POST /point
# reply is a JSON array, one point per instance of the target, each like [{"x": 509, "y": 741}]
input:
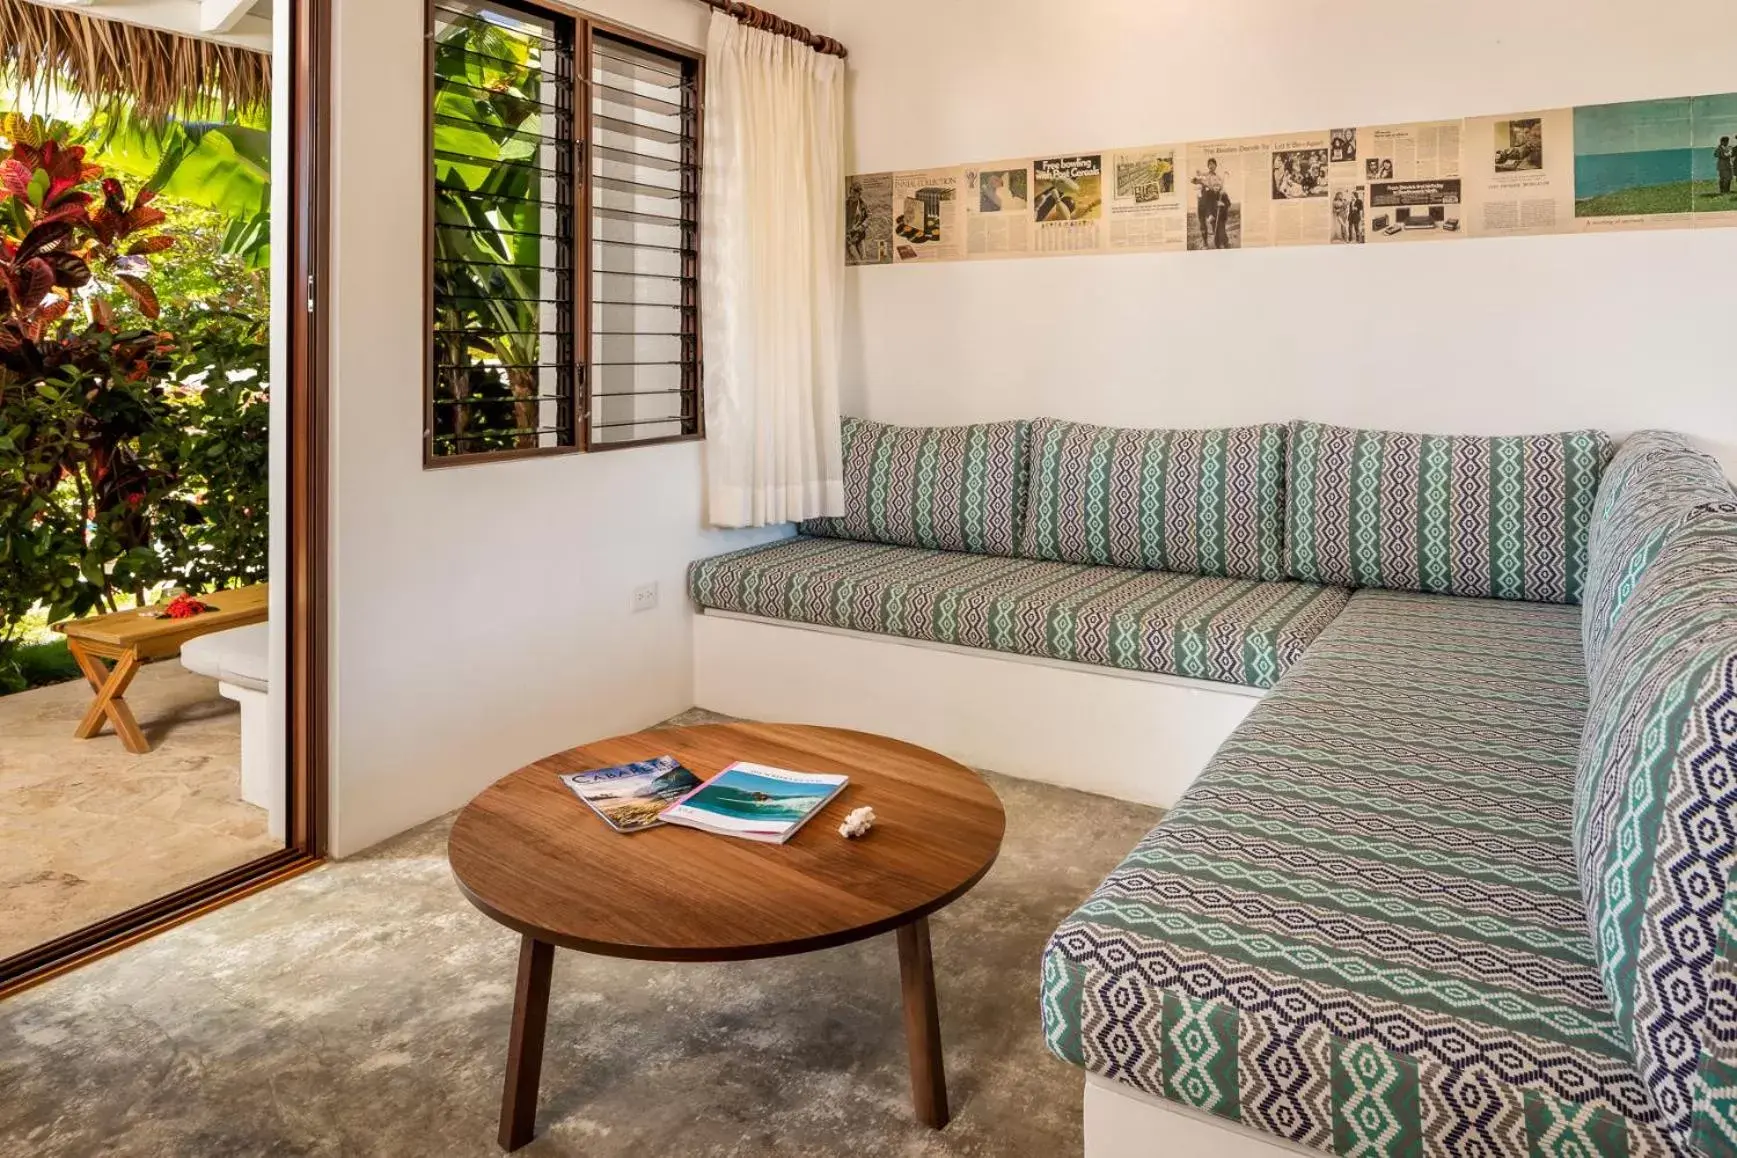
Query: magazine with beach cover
[
  {"x": 629, "y": 797},
  {"x": 756, "y": 802}
]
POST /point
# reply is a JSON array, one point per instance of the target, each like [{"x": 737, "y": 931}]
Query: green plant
[
  {"x": 81, "y": 400},
  {"x": 488, "y": 244},
  {"x": 219, "y": 448},
  {"x": 220, "y": 166}
]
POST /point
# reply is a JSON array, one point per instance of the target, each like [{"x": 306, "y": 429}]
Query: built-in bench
[{"x": 1458, "y": 884}]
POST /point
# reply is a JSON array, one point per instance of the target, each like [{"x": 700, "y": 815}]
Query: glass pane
[
  {"x": 502, "y": 364},
  {"x": 644, "y": 196}
]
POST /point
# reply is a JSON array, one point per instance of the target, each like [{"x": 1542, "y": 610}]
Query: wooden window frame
[{"x": 585, "y": 29}]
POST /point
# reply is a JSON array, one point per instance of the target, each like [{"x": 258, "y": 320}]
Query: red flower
[{"x": 185, "y": 607}]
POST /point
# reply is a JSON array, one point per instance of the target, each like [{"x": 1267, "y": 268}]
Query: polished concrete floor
[
  {"x": 362, "y": 1010},
  {"x": 87, "y": 829}
]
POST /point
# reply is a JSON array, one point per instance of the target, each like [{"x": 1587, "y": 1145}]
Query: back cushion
[
  {"x": 1655, "y": 829},
  {"x": 950, "y": 488},
  {"x": 1203, "y": 502},
  {"x": 1449, "y": 515},
  {"x": 1656, "y": 484}
]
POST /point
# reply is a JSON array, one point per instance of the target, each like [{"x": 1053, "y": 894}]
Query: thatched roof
[{"x": 108, "y": 62}]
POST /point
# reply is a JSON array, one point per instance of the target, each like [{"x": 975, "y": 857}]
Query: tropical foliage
[
  {"x": 133, "y": 424},
  {"x": 221, "y": 166},
  {"x": 491, "y": 213}
]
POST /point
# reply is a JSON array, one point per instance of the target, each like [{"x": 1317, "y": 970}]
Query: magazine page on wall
[
  {"x": 997, "y": 202},
  {"x": 1519, "y": 174},
  {"x": 1714, "y": 119},
  {"x": 926, "y": 224},
  {"x": 1634, "y": 165},
  {"x": 1413, "y": 172},
  {"x": 1068, "y": 203},
  {"x": 1301, "y": 208},
  {"x": 868, "y": 219},
  {"x": 1347, "y": 188},
  {"x": 1146, "y": 204},
  {"x": 1230, "y": 194}
]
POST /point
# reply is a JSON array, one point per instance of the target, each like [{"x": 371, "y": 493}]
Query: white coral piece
[{"x": 857, "y": 823}]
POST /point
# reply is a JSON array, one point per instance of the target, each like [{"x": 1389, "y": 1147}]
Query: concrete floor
[
  {"x": 87, "y": 829},
  {"x": 362, "y": 1010}
]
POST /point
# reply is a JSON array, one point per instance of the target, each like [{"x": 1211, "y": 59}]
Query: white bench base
[
  {"x": 261, "y": 785},
  {"x": 1132, "y": 735},
  {"x": 1122, "y": 1122}
]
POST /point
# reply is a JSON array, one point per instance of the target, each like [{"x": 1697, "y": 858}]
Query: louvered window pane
[
  {"x": 503, "y": 364},
  {"x": 643, "y": 164}
]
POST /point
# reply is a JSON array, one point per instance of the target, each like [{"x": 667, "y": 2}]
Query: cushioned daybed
[{"x": 1458, "y": 885}]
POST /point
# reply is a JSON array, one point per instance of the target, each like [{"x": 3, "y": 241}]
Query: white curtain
[{"x": 772, "y": 273}]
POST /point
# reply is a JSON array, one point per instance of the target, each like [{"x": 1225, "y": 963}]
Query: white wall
[
  {"x": 1484, "y": 336},
  {"x": 480, "y": 615}
]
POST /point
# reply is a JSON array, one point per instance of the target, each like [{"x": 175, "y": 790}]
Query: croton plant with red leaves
[{"x": 81, "y": 397}]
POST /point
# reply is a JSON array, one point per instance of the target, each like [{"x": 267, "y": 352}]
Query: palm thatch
[{"x": 110, "y": 64}]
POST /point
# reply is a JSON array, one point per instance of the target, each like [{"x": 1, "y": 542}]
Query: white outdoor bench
[{"x": 239, "y": 660}]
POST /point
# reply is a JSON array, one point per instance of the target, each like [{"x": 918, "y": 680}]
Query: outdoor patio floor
[{"x": 88, "y": 829}]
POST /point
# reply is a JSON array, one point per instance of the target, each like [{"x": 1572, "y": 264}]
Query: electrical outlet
[{"x": 645, "y": 597}]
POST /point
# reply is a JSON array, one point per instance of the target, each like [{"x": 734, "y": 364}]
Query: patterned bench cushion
[
  {"x": 952, "y": 488},
  {"x": 1655, "y": 829},
  {"x": 1655, "y": 484},
  {"x": 1360, "y": 929},
  {"x": 1229, "y": 630},
  {"x": 1203, "y": 502},
  {"x": 1502, "y": 517}
]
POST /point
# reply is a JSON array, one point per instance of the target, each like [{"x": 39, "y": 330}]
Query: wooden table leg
[
  {"x": 110, "y": 686},
  {"x": 922, "y": 1024},
  {"x": 525, "y": 1047}
]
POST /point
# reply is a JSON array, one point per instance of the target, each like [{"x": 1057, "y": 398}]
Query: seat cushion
[
  {"x": 1655, "y": 829},
  {"x": 952, "y": 488},
  {"x": 1360, "y": 928},
  {"x": 1655, "y": 484},
  {"x": 239, "y": 656},
  {"x": 1229, "y": 630},
  {"x": 1502, "y": 517},
  {"x": 1202, "y": 502}
]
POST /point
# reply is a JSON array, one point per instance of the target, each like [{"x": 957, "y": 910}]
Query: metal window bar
[{"x": 647, "y": 260}]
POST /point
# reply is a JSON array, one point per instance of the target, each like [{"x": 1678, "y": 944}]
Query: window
[{"x": 563, "y": 235}]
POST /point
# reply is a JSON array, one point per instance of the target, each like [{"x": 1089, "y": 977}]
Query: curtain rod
[{"x": 758, "y": 18}]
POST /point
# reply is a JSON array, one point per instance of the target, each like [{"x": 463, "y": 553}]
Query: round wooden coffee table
[{"x": 530, "y": 855}]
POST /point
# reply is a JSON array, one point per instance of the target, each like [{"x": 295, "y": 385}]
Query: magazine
[
  {"x": 629, "y": 797},
  {"x": 756, "y": 802}
]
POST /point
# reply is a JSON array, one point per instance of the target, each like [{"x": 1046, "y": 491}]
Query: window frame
[{"x": 585, "y": 27}]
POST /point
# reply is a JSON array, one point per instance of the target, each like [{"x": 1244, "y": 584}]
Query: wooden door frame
[{"x": 307, "y": 504}]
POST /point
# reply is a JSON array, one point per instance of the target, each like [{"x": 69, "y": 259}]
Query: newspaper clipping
[
  {"x": 1347, "y": 189},
  {"x": 868, "y": 219},
  {"x": 1301, "y": 206},
  {"x": 1519, "y": 174},
  {"x": 1146, "y": 210},
  {"x": 1413, "y": 173},
  {"x": 997, "y": 200},
  {"x": 926, "y": 225},
  {"x": 1230, "y": 184},
  {"x": 1068, "y": 203}
]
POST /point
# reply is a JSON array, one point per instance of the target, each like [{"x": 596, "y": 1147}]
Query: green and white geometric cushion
[
  {"x": 1655, "y": 828},
  {"x": 1360, "y": 930},
  {"x": 1454, "y": 515},
  {"x": 1655, "y": 484},
  {"x": 1201, "y": 502},
  {"x": 1229, "y": 630},
  {"x": 950, "y": 488}
]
